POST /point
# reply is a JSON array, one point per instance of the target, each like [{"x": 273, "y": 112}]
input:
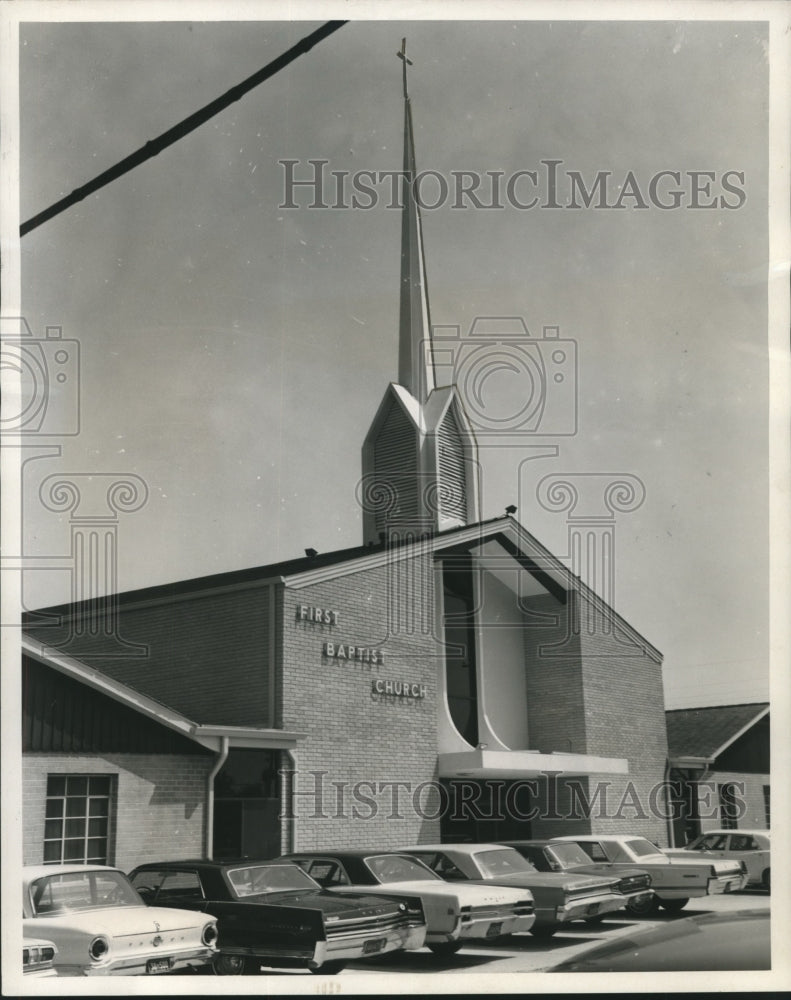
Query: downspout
[
  {"x": 669, "y": 813},
  {"x": 287, "y": 802},
  {"x": 272, "y": 655},
  {"x": 221, "y": 759}
]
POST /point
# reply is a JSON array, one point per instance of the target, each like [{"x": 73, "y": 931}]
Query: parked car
[
  {"x": 558, "y": 897},
  {"x": 101, "y": 927},
  {"x": 750, "y": 846},
  {"x": 674, "y": 880},
  {"x": 454, "y": 914},
  {"x": 271, "y": 913},
  {"x": 38, "y": 958},
  {"x": 705, "y": 942},
  {"x": 546, "y": 856}
]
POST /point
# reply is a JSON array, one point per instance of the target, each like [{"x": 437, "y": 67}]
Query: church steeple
[
  {"x": 415, "y": 364},
  {"x": 420, "y": 470}
]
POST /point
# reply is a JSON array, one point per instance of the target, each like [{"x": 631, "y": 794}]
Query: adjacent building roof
[{"x": 707, "y": 732}]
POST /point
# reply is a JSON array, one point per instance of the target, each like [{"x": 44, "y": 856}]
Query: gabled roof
[
  {"x": 707, "y": 732},
  {"x": 307, "y": 570}
]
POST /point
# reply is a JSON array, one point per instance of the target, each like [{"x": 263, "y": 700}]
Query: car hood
[
  {"x": 712, "y": 942},
  {"x": 117, "y": 921}
]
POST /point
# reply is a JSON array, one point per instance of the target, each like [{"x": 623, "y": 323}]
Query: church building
[{"x": 447, "y": 679}]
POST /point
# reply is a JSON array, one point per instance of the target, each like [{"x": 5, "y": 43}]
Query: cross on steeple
[{"x": 407, "y": 62}]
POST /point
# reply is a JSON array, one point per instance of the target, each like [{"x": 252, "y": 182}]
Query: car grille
[
  {"x": 634, "y": 883},
  {"x": 357, "y": 926}
]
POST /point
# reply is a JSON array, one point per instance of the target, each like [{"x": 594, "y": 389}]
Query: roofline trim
[
  {"x": 741, "y": 732},
  {"x": 478, "y": 532}
]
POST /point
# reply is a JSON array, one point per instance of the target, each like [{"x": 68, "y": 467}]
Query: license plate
[
  {"x": 156, "y": 965},
  {"x": 494, "y": 930},
  {"x": 593, "y": 908},
  {"x": 369, "y": 947}
]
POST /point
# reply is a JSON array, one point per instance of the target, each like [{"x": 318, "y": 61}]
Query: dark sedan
[
  {"x": 553, "y": 856},
  {"x": 272, "y": 913}
]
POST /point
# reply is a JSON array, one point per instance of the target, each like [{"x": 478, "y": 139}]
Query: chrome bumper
[
  {"x": 360, "y": 945},
  {"x": 137, "y": 965},
  {"x": 726, "y": 883},
  {"x": 589, "y": 906},
  {"x": 486, "y": 925}
]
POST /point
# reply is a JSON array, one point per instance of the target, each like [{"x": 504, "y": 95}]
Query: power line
[{"x": 155, "y": 146}]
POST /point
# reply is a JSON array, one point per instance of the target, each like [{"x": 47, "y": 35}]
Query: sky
[{"x": 232, "y": 352}]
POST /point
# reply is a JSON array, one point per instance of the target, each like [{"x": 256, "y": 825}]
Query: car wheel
[
  {"x": 643, "y": 907},
  {"x": 445, "y": 948},
  {"x": 543, "y": 930},
  {"x": 766, "y": 880},
  {"x": 329, "y": 969},
  {"x": 674, "y": 905},
  {"x": 235, "y": 965}
]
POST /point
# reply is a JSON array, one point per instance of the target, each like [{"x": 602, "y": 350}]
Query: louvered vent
[
  {"x": 396, "y": 472},
  {"x": 452, "y": 471}
]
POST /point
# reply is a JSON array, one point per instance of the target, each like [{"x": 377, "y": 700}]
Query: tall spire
[
  {"x": 415, "y": 364},
  {"x": 420, "y": 468}
]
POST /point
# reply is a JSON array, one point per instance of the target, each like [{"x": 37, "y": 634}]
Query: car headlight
[
  {"x": 209, "y": 936},
  {"x": 98, "y": 948}
]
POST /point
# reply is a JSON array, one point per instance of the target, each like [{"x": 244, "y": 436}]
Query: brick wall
[
  {"x": 354, "y": 735},
  {"x": 625, "y": 717},
  {"x": 555, "y": 705},
  {"x": 159, "y": 803},
  {"x": 207, "y": 658},
  {"x": 592, "y": 690}
]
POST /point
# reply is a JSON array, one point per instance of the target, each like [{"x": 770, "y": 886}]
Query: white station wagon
[{"x": 101, "y": 927}]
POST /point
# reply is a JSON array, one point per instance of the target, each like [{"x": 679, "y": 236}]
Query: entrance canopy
[{"x": 483, "y": 763}]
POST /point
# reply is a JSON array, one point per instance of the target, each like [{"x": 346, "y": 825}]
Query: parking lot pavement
[{"x": 525, "y": 953}]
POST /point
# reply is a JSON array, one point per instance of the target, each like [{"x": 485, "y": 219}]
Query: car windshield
[
  {"x": 568, "y": 854},
  {"x": 642, "y": 847},
  {"x": 89, "y": 890},
  {"x": 256, "y": 879},
  {"x": 505, "y": 861},
  {"x": 397, "y": 868}
]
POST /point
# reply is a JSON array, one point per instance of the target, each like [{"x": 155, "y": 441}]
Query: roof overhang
[
  {"x": 209, "y": 736},
  {"x": 686, "y": 761},
  {"x": 480, "y": 763}
]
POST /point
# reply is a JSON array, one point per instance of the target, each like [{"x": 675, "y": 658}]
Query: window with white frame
[{"x": 77, "y": 823}]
